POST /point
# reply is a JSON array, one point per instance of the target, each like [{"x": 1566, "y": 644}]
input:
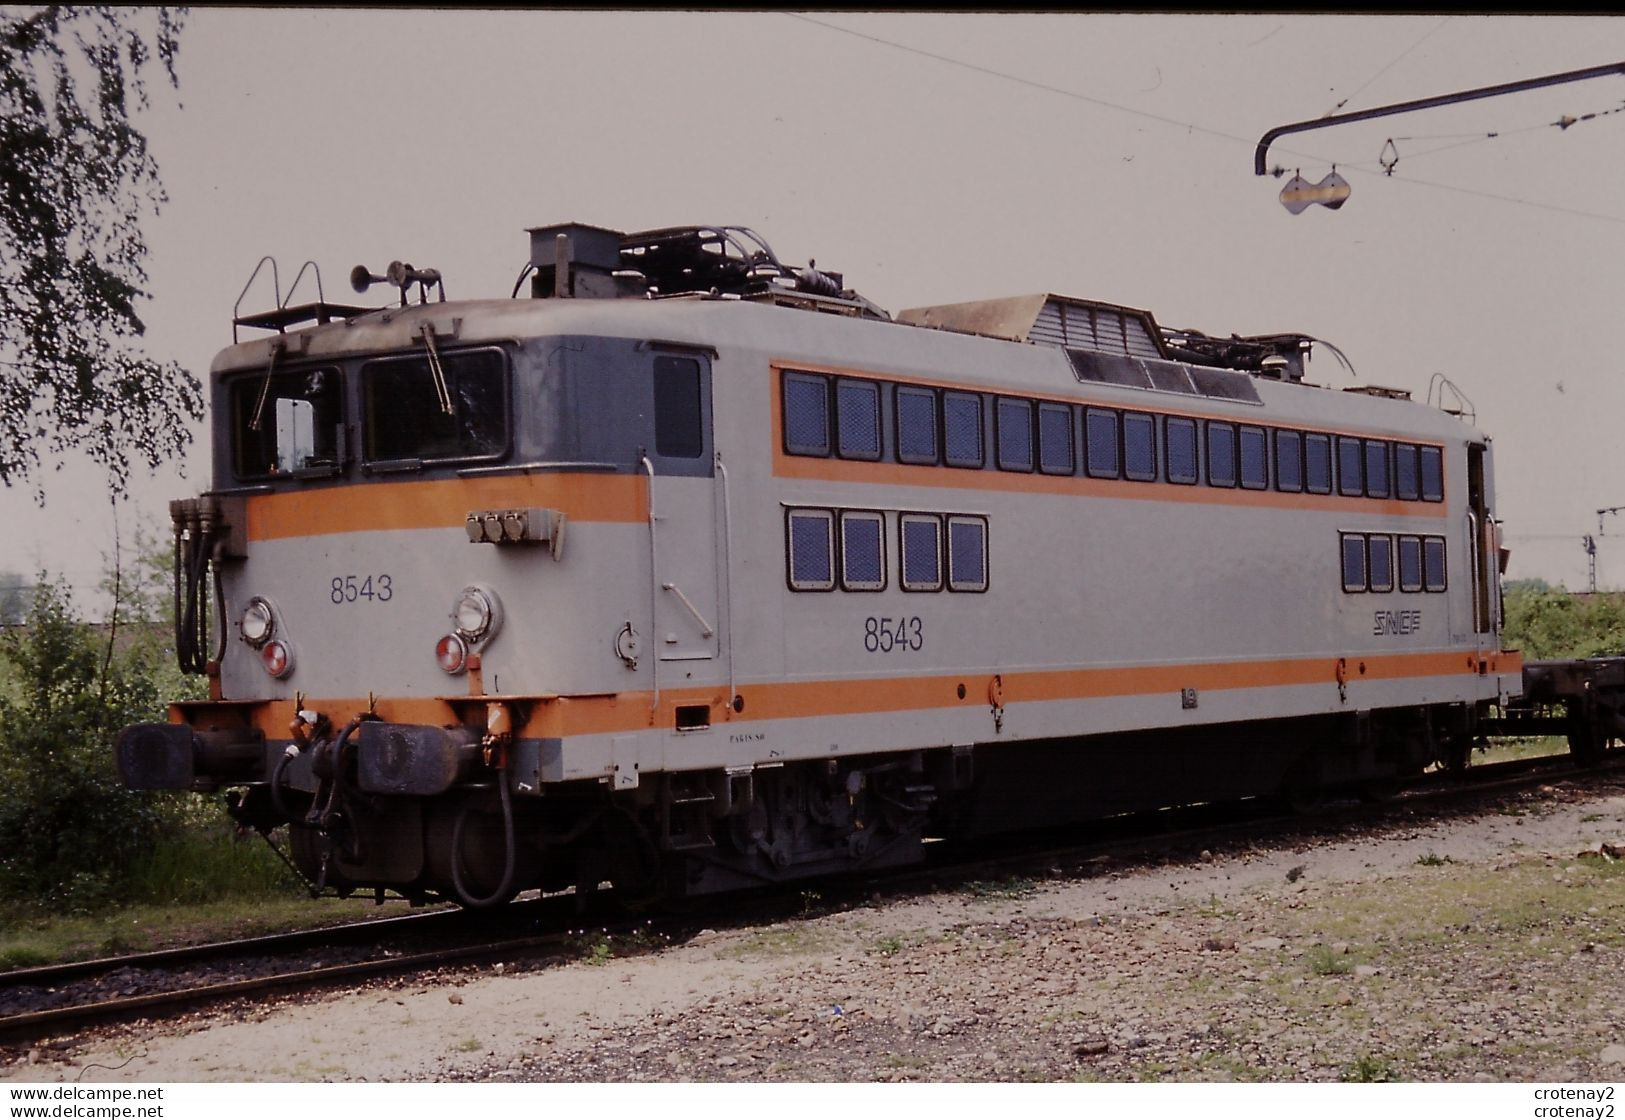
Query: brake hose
[{"x": 499, "y": 895}]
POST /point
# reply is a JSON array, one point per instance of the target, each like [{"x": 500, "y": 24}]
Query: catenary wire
[
  {"x": 1428, "y": 35},
  {"x": 1187, "y": 125}
]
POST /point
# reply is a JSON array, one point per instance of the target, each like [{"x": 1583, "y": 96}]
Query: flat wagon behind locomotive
[{"x": 692, "y": 571}]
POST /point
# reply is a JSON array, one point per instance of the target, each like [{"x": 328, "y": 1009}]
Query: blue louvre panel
[
  {"x": 1376, "y": 468},
  {"x": 1224, "y": 384},
  {"x": 1317, "y": 463},
  {"x": 857, "y": 419},
  {"x": 1221, "y": 454},
  {"x": 1350, "y": 482},
  {"x": 1353, "y": 562},
  {"x": 922, "y": 553},
  {"x": 1100, "y": 439},
  {"x": 806, "y": 414},
  {"x": 962, "y": 429},
  {"x": 1433, "y": 570},
  {"x": 1407, "y": 472},
  {"x": 1139, "y": 447},
  {"x": 862, "y": 567},
  {"x": 916, "y": 425},
  {"x": 811, "y": 568},
  {"x": 1255, "y": 462},
  {"x": 1055, "y": 453},
  {"x": 1015, "y": 433},
  {"x": 1180, "y": 436},
  {"x": 967, "y": 554},
  {"x": 1410, "y": 563},
  {"x": 1432, "y": 474},
  {"x": 1381, "y": 565},
  {"x": 1111, "y": 369},
  {"x": 1288, "y": 461}
]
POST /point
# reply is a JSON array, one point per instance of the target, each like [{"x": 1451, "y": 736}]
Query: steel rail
[
  {"x": 38, "y": 1024},
  {"x": 51, "y": 974},
  {"x": 1145, "y": 838}
]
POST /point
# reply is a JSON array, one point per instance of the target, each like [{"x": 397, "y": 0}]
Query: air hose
[{"x": 459, "y": 887}]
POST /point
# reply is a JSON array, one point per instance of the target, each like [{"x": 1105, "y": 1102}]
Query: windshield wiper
[
  {"x": 265, "y": 387},
  {"x": 440, "y": 388}
]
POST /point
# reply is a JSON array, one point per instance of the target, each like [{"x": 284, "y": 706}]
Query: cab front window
[
  {"x": 287, "y": 424},
  {"x": 418, "y": 411}
]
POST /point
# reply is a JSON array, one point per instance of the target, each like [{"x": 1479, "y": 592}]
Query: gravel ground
[{"x": 1490, "y": 949}]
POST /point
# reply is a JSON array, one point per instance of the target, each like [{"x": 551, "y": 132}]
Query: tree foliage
[
  {"x": 1551, "y": 624},
  {"x": 76, "y": 179},
  {"x": 67, "y": 827}
]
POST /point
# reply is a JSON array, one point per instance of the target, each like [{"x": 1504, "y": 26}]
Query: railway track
[{"x": 55, "y": 1000}]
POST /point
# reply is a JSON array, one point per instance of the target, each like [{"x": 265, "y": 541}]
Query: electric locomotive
[{"x": 687, "y": 570}]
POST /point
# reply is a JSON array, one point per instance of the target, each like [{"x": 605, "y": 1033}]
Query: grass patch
[
  {"x": 600, "y": 948},
  {"x": 1230, "y": 1067},
  {"x": 1602, "y": 867},
  {"x": 1002, "y": 888},
  {"x": 889, "y": 946},
  {"x": 200, "y": 882},
  {"x": 1472, "y": 910},
  {"x": 23, "y": 955},
  {"x": 777, "y": 941},
  {"x": 1367, "y": 1069},
  {"x": 1433, "y": 860},
  {"x": 1322, "y": 961},
  {"x": 207, "y": 863},
  {"x": 906, "y": 1061}
]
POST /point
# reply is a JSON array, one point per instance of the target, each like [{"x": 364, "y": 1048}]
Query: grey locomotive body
[{"x": 693, "y": 571}]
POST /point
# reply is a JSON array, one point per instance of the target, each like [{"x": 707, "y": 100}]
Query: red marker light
[
  {"x": 277, "y": 658},
  {"x": 451, "y": 654}
]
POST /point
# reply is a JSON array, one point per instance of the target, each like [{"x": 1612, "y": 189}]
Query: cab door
[
  {"x": 1484, "y": 556},
  {"x": 683, "y": 510}
]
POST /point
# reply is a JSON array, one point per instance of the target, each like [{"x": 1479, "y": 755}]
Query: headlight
[
  {"x": 477, "y": 615},
  {"x": 258, "y": 622}
]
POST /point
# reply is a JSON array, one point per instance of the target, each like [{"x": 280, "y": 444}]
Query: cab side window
[{"x": 679, "y": 408}]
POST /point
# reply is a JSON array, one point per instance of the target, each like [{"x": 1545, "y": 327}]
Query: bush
[
  {"x": 1549, "y": 624},
  {"x": 67, "y": 827}
]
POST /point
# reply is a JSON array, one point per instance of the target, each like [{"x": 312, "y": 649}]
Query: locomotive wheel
[
  {"x": 1302, "y": 800},
  {"x": 1586, "y": 745},
  {"x": 1458, "y": 752},
  {"x": 1586, "y": 740},
  {"x": 1380, "y": 791},
  {"x": 621, "y": 851}
]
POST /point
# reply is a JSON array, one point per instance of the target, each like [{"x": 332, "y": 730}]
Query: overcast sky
[{"x": 932, "y": 159}]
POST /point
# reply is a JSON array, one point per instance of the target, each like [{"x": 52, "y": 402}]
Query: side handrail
[{"x": 654, "y": 589}]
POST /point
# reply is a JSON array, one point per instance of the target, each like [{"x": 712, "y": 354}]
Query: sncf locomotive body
[{"x": 687, "y": 570}]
